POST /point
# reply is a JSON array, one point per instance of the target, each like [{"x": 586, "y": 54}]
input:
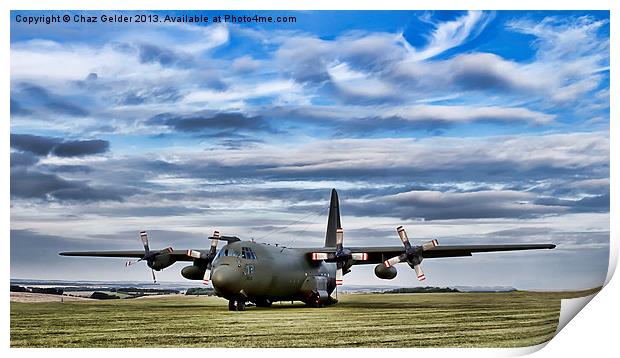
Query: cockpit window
[
  {"x": 230, "y": 252},
  {"x": 248, "y": 253}
]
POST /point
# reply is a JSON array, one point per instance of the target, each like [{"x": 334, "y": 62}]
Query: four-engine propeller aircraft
[{"x": 247, "y": 271}]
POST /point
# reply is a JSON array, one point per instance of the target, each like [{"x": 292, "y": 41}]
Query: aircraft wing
[
  {"x": 379, "y": 254},
  {"x": 177, "y": 255}
]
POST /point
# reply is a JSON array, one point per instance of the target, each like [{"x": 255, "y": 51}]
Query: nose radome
[{"x": 226, "y": 278}]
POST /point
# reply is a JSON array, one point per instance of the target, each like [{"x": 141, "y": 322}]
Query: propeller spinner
[
  {"x": 344, "y": 258},
  {"x": 412, "y": 255},
  {"x": 149, "y": 256},
  {"x": 206, "y": 256}
]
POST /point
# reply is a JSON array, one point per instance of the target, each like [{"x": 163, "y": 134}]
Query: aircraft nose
[{"x": 227, "y": 279}]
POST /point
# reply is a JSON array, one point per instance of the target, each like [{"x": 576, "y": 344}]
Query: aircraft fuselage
[{"x": 264, "y": 273}]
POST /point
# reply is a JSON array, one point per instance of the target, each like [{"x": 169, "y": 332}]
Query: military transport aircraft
[{"x": 247, "y": 271}]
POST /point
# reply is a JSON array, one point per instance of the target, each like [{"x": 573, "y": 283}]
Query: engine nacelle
[
  {"x": 385, "y": 273},
  {"x": 161, "y": 261},
  {"x": 193, "y": 272}
]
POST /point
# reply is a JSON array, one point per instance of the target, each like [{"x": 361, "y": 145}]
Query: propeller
[
  {"x": 149, "y": 256},
  {"x": 343, "y": 258},
  {"x": 412, "y": 254},
  {"x": 206, "y": 256}
]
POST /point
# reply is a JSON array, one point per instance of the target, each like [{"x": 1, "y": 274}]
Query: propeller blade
[
  {"x": 206, "y": 277},
  {"x": 129, "y": 263},
  {"x": 359, "y": 256},
  {"x": 318, "y": 256},
  {"x": 145, "y": 241},
  {"x": 429, "y": 245},
  {"x": 339, "y": 280},
  {"x": 167, "y": 250},
  {"x": 193, "y": 253},
  {"x": 339, "y": 238},
  {"x": 394, "y": 260},
  {"x": 153, "y": 273},
  {"x": 403, "y": 236},
  {"x": 419, "y": 272},
  {"x": 214, "y": 240}
]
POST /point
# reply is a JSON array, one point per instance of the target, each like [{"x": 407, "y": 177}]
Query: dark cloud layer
[
  {"x": 18, "y": 110},
  {"x": 77, "y": 148},
  {"x": 27, "y": 244},
  {"x": 40, "y": 98},
  {"x": 23, "y": 159},
  {"x": 41, "y": 145},
  {"x": 595, "y": 203},
  {"x": 150, "y": 53},
  {"x": 214, "y": 124},
  {"x": 41, "y": 182},
  {"x": 68, "y": 168},
  {"x": 34, "y": 144},
  {"x": 153, "y": 95},
  {"x": 31, "y": 184},
  {"x": 431, "y": 205}
]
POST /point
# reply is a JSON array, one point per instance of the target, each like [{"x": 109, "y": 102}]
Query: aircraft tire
[
  {"x": 231, "y": 305},
  {"x": 240, "y": 305},
  {"x": 314, "y": 301}
]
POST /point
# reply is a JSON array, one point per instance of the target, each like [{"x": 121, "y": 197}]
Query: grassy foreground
[{"x": 513, "y": 319}]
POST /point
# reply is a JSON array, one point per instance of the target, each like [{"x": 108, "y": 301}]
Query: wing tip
[{"x": 70, "y": 253}]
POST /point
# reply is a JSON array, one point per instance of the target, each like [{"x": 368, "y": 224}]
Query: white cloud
[
  {"x": 357, "y": 84},
  {"x": 563, "y": 38},
  {"x": 245, "y": 64},
  {"x": 464, "y": 114},
  {"x": 415, "y": 113},
  {"x": 568, "y": 50},
  {"x": 181, "y": 37},
  {"x": 569, "y": 151},
  {"x": 236, "y": 94},
  {"x": 30, "y": 62},
  {"x": 451, "y": 34}
]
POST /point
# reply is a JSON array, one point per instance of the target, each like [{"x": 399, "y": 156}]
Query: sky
[{"x": 469, "y": 127}]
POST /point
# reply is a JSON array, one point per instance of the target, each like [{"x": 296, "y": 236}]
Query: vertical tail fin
[{"x": 333, "y": 221}]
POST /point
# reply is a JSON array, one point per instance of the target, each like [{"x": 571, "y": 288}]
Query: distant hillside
[
  {"x": 98, "y": 292},
  {"x": 142, "y": 291},
  {"x": 429, "y": 289},
  {"x": 200, "y": 291},
  {"x": 139, "y": 288},
  {"x": 486, "y": 288},
  {"x": 45, "y": 290},
  {"x": 103, "y": 296},
  {"x": 76, "y": 285}
]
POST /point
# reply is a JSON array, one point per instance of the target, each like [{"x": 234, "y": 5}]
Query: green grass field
[{"x": 514, "y": 319}]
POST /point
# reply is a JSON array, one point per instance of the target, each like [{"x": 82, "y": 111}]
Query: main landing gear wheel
[
  {"x": 240, "y": 305},
  {"x": 231, "y": 305},
  {"x": 314, "y": 300}
]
